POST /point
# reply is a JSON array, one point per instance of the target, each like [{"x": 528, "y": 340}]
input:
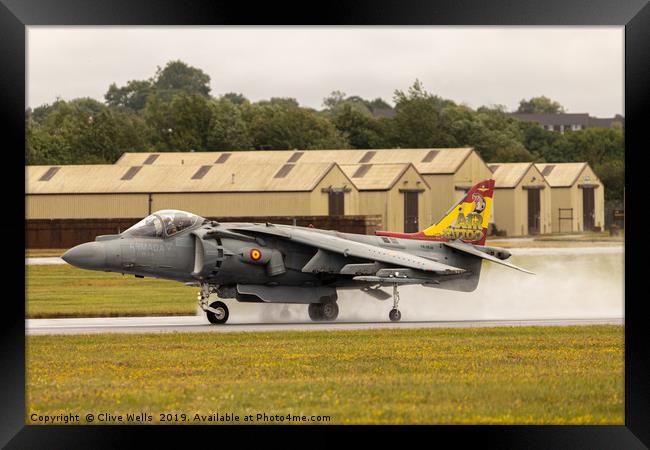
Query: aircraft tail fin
[{"x": 467, "y": 220}]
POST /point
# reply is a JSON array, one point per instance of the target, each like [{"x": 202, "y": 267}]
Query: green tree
[
  {"x": 83, "y": 131},
  {"x": 500, "y": 138},
  {"x": 133, "y": 95},
  {"x": 417, "y": 121},
  {"x": 283, "y": 125},
  {"x": 182, "y": 124},
  {"x": 612, "y": 174},
  {"x": 540, "y": 105},
  {"x": 546, "y": 146},
  {"x": 237, "y": 99},
  {"x": 177, "y": 77},
  {"x": 361, "y": 130},
  {"x": 378, "y": 104},
  {"x": 228, "y": 128}
]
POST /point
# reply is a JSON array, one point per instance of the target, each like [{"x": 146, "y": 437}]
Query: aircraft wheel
[
  {"x": 329, "y": 311},
  {"x": 394, "y": 315},
  {"x": 221, "y": 316},
  {"x": 315, "y": 311}
]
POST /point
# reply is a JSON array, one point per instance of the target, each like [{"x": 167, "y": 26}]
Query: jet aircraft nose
[{"x": 91, "y": 255}]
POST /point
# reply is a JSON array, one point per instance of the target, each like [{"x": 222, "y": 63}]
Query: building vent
[
  {"x": 295, "y": 157},
  {"x": 201, "y": 172},
  {"x": 49, "y": 174},
  {"x": 151, "y": 158},
  {"x": 367, "y": 157},
  {"x": 548, "y": 169},
  {"x": 429, "y": 156},
  {"x": 222, "y": 158},
  {"x": 284, "y": 171},
  {"x": 493, "y": 167},
  {"x": 362, "y": 170},
  {"x": 131, "y": 172}
]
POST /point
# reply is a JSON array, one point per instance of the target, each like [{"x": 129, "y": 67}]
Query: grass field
[
  {"x": 550, "y": 375},
  {"x": 65, "y": 291}
]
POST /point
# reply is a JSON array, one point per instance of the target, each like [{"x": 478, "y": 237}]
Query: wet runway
[
  {"x": 44, "y": 261},
  {"x": 200, "y": 324}
]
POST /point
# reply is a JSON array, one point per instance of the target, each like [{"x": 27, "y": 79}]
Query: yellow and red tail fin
[{"x": 467, "y": 220}]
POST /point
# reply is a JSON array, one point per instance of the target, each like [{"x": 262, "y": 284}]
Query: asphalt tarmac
[{"x": 185, "y": 324}]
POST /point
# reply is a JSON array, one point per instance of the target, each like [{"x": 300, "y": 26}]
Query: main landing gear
[
  {"x": 319, "y": 312},
  {"x": 394, "y": 315},
  {"x": 217, "y": 312}
]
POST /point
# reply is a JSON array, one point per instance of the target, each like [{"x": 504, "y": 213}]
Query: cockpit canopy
[{"x": 167, "y": 222}]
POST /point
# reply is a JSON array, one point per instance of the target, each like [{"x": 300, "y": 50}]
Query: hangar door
[
  {"x": 533, "y": 211},
  {"x": 588, "y": 208},
  {"x": 411, "y": 212},
  {"x": 336, "y": 202}
]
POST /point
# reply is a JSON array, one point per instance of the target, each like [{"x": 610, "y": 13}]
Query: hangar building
[
  {"x": 577, "y": 197},
  {"x": 114, "y": 191},
  {"x": 524, "y": 199},
  {"x": 449, "y": 172},
  {"x": 397, "y": 192}
]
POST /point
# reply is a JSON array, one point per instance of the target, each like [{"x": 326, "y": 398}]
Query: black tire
[
  {"x": 315, "y": 311},
  {"x": 329, "y": 311},
  {"x": 218, "y": 319},
  {"x": 394, "y": 315}
]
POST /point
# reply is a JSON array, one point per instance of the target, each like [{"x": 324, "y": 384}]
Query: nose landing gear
[
  {"x": 217, "y": 312},
  {"x": 395, "y": 315}
]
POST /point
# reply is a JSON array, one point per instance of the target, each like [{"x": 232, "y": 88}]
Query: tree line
[{"x": 174, "y": 111}]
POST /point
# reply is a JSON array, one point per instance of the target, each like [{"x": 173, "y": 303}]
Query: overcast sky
[{"x": 581, "y": 67}]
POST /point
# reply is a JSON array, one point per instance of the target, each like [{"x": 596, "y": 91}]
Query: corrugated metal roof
[
  {"x": 508, "y": 175},
  {"x": 377, "y": 177},
  {"x": 441, "y": 161},
  {"x": 155, "y": 178},
  {"x": 563, "y": 174}
]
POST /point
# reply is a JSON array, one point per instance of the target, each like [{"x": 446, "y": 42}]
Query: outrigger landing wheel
[
  {"x": 220, "y": 313},
  {"x": 323, "y": 311},
  {"x": 329, "y": 311},
  {"x": 394, "y": 315},
  {"x": 314, "y": 311}
]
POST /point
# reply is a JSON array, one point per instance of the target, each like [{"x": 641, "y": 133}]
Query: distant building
[
  {"x": 568, "y": 121},
  {"x": 524, "y": 199},
  {"x": 577, "y": 197}
]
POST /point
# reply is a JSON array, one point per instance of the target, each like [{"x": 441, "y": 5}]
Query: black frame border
[{"x": 16, "y": 15}]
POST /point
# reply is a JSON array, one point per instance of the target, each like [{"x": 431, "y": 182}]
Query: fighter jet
[{"x": 272, "y": 263}]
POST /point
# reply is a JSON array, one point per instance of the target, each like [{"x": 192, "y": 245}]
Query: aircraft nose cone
[{"x": 90, "y": 255}]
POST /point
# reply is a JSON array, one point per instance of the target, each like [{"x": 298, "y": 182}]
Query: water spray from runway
[{"x": 582, "y": 283}]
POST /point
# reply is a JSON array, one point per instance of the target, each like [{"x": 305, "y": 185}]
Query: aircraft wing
[
  {"x": 347, "y": 247},
  {"x": 462, "y": 247}
]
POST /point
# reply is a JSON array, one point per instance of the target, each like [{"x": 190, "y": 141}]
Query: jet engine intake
[{"x": 207, "y": 256}]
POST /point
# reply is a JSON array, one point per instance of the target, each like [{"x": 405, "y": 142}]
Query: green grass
[
  {"x": 65, "y": 291},
  {"x": 549, "y": 375}
]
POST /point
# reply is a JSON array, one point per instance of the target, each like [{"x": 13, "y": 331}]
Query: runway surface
[
  {"x": 44, "y": 261},
  {"x": 200, "y": 324}
]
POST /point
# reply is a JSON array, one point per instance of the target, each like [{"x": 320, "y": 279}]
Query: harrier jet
[{"x": 271, "y": 263}]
